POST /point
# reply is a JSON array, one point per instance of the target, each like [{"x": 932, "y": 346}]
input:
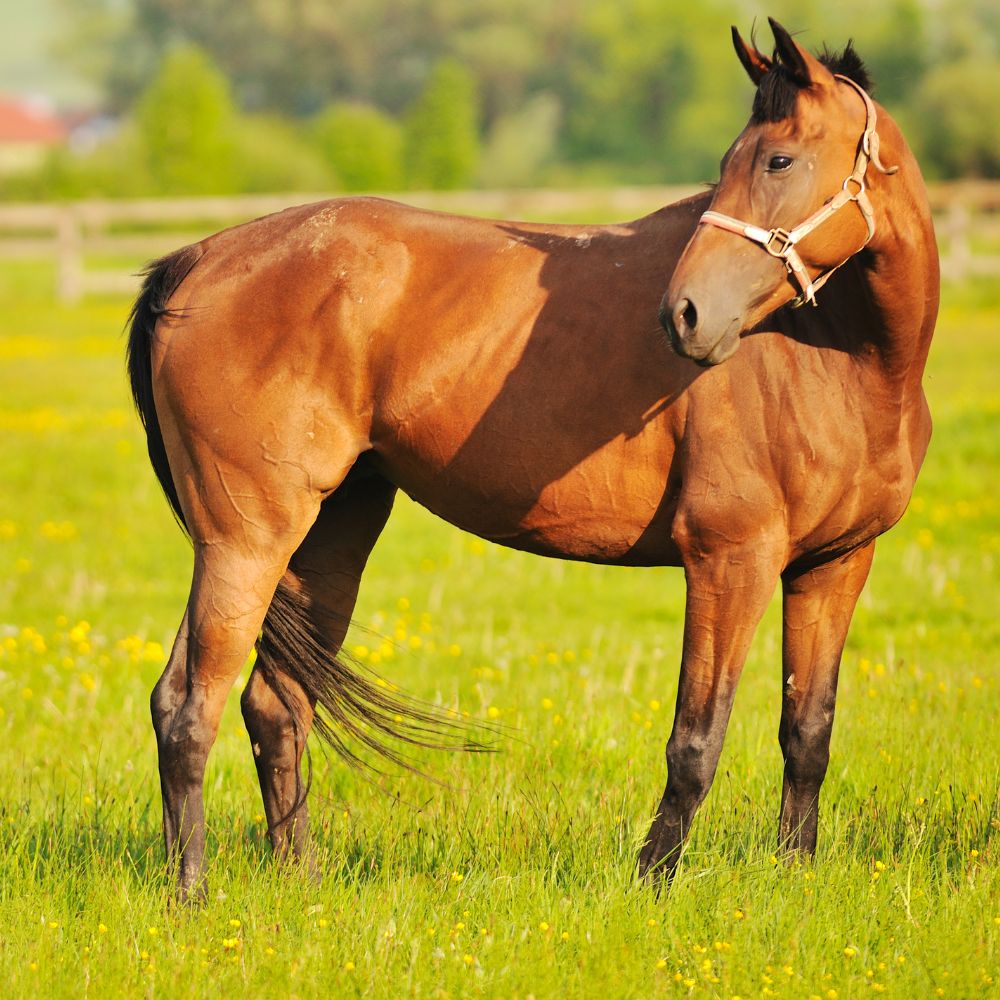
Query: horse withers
[{"x": 294, "y": 372}]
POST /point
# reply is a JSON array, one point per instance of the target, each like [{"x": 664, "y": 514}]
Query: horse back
[{"x": 511, "y": 377}]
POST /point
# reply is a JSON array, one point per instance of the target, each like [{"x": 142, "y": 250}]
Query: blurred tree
[
  {"x": 101, "y": 40},
  {"x": 897, "y": 54},
  {"x": 362, "y": 145},
  {"x": 891, "y": 37},
  {"x": 186, "y": 123},
  {"x": 521, "y": 143},
  {"x": 273, "y": 154},
  {"x": 297, "y": 56},
  {"x": 965, "y": 29},
  {"x": 441, "y": 143},
  {"x": 646, "y": 89},
  {"x": 660, "y": 87},
  {"x": 115, "y": 169},
  {"x": 959, "y": 129}
]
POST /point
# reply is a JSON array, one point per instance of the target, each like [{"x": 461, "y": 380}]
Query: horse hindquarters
[{"x": 242, "y": 482}]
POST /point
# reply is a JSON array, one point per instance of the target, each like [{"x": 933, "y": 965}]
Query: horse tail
[
  {"x": 353, "y": 703},
  {"x": 161, "y": 279},
  {"x": 355, "y": 707}
]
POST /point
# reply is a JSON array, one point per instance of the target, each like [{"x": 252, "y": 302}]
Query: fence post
[
  {"x": 69, "y": 256},
  {"x": 959, "y": 251}
]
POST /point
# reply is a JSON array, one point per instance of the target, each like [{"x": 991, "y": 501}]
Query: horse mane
[{"x": 779, "y": 89}]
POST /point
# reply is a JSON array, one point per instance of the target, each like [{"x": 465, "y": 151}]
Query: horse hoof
[{"x": 657, "y": 868}]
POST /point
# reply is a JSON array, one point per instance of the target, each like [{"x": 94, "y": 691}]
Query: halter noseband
[{"x": 780, "y": 243}]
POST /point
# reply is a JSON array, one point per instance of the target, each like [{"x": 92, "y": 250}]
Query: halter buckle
[{"x": 779, "y": 242}]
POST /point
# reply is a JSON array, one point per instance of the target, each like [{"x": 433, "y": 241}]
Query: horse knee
[{"x": 183, "y": 752}]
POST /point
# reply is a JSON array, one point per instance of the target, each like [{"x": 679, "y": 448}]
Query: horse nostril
[
  {"x": 691, "y": 315},
  {"x": 685, "y": 317}
]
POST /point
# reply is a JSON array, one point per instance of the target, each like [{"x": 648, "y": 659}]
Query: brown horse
[{"x": 294, "y": 372}]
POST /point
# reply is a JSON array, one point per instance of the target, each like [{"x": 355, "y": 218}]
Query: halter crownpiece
[{"x": 780, "y": 243}]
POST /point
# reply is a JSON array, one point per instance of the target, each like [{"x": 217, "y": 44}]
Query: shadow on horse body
[{"x": 293, "y": 372}]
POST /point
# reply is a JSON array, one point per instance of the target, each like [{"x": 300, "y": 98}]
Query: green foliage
[
  {"x": 362, "y": 145},
  {"x": 660, "y": 88},
  {"x": 521, "y": 143},
  {"x": 273, "y": 154},
  {"x": 960, "y": 127},
  {"x": 118, "y": 168},
  {"x": 624, "y": 91},
  {"x": 441, "y": 144},
  {"x": 896, "y": 50},
  {"x": 186, "y": 122}
]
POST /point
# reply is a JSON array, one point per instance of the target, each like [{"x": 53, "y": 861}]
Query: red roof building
[{"x": 28, "y": 130}]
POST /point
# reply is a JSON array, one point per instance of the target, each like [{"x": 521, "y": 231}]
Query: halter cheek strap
[{"x": 780, "y": 243}]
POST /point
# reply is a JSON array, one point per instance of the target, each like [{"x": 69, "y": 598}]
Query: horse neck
[{"x": 903, "y": 279}]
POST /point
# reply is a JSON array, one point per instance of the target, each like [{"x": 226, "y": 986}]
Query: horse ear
[
  {"x": 755, "y": 63},
  {"x": 805, "y": 68}
]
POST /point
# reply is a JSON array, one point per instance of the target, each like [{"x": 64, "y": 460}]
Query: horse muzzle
[{"x": 691, "y": 337}]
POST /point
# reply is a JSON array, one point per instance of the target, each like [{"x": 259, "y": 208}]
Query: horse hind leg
[
  {"x": 244, "y": 534},
  {"x": 229, "y": 598},
  {"x": 167, "y": 697},
  {"x": 324, "y": 575}
]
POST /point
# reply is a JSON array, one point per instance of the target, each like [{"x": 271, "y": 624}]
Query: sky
[{"x": 27, "y": 67}]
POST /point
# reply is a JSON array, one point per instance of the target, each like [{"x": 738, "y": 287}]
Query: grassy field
[{"x": 514, "y": 877}]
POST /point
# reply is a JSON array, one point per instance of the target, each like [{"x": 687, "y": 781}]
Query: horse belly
[{"x": 611, "y": 505}]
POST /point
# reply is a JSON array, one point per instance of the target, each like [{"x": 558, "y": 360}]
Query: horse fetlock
[
  {"x": 192, "y": 888},
  {"x": 799, "y": 821},
  {"x": 690, "y": 771},
  {"x": 806, "y": 750}
]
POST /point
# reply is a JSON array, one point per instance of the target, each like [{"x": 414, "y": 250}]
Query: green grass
[{"x": 515, "y": 876}]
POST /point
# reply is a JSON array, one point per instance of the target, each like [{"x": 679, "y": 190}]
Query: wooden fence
[{"x": 97, "y": 246}]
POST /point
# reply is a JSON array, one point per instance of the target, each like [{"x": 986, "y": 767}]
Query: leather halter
[{"x": 780, "y": 243}]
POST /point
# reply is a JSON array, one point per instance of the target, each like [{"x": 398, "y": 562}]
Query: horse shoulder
[{"x": 788, "y": 442}]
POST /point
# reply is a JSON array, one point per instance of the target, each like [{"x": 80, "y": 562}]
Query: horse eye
[{"x": 780, "y": 163}]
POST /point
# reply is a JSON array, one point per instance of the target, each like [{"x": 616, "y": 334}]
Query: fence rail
[{"x": 96, "y": 246}]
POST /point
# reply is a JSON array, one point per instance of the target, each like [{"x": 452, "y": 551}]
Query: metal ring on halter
[
  {"x": 778, "y": 243},
  {"x": 861, "y": 187}
]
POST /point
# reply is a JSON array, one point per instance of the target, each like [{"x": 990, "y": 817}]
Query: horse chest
[{"x": 828, "y": 471}]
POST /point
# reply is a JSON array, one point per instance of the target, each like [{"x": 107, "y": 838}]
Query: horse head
[{"x": 792, "y": 203}]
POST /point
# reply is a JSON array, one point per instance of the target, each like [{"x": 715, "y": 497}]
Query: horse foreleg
[
  {"x": 726, "y": 597},
  {"x": 818, "y": 605}
]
